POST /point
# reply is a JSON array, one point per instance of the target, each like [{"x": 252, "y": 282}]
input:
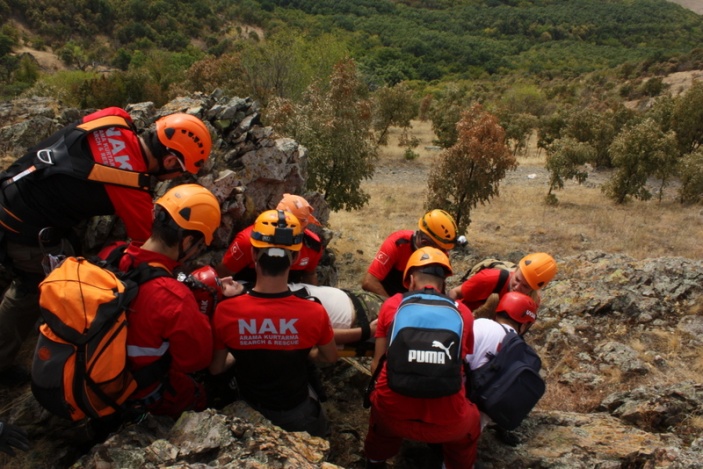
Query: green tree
[
  {"x": 285, "y": 65},
  {"x": 445, "y": 112},
  {"x": 392, "y": 106},
  {"x": 687, "y": 118},
  {"x": 595, "y": 128},
  {"x": 334, "y": 123},
  {"x": 640, "y": 152},
  {"x": 28, "y": 70},
  {"x": 524, "y": 99},
  {"x": 470, "y": 171},
  {"x": 73, "y": 54},
  {"x": 566, "y": 158},
  {"x": 691, "y": 175},
  {"x": 518, "y": 128}
]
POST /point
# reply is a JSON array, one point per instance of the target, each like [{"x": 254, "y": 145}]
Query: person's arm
[
  {"x": 455, "y": 293},
  {"x": 380, "y": 350},
  {"x": 373, "y": 285},
  {"x": 354, "y": 334},
  {"x": 219, "y": 361},
  {"x": 189, "y": 334},
  {"x": 327, "y": 353},
  {"x": 238, "y": 255},
  {"x": 134, "y": 208}
]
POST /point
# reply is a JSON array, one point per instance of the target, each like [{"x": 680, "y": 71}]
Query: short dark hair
[
  {"x": 505, "y": 317},
  {"x": 158, "y": 149},
  {"x": 271, "y": 266},
  {"x": 166, "y": 230}
]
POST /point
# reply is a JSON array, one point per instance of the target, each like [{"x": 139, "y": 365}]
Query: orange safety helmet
[
  {"x": 187, "y": 135},
  {"x": 192, "y": 207},
  {"x": 538, "y": 268},
  {"x": 299, "y": 207},
  {"x": 520, "y": 307},
  {"x": 277, "y": 229},
  {"x": 206, "y": 287},
  {"x": 431, "y": 260},
  {"x": 440, "y": 227}
]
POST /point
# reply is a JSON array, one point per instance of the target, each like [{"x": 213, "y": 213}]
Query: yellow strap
[
  {"x": 158, "y": 264},
  {"x": 117, "y": 176},
  {"x": 107, "y": 121}
]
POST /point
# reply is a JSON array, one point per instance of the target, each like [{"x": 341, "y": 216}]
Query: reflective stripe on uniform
[{"x": 136, "y": 351}]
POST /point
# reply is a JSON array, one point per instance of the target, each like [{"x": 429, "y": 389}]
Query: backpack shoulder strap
[
  {"x": 502, "y": 278},
  {"x": 145, "y": 272},
  {"x": 305, "y": 294},
  {"x": 66, "y": 156},
  {"x": 363, "y": 320},
  {"x": 110, "y": 174}
]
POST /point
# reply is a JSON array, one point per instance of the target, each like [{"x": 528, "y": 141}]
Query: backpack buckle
[{"x": 46, "y": 156}]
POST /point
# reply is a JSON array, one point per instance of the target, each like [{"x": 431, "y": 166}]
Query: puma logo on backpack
[
  {"x": 509, "y": 385},
  {"x": 80, "y": 361},
  {"x": 424, "y": 353}
]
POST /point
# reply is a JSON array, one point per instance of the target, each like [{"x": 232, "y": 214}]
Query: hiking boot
[{"x": 14, "y": 375}]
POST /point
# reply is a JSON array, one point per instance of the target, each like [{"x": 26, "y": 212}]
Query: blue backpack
[
  {"x": 424, "y": 352},
  {"x": 509, "y": 385}
]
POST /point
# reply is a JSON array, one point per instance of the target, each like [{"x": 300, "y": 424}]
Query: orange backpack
[{"x": 80, "y": 361}]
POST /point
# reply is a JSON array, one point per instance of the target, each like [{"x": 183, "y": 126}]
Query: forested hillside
[
  {"x": 393, "y": 41},
  {"x": 337, "y": 75}
]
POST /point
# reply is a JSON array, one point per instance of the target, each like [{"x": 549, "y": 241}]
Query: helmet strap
[{"x": 184, "y": 254}]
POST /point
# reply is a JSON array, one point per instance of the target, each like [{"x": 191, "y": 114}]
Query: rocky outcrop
[
  {"x": 235, "y": 437},
  {"x": 249, "y": 170}
]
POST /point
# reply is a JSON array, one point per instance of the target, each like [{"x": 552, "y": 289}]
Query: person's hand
[
  {"x": 12, "y": 436},
  {"x": 372, "y": 326},
  {"x": 230, "y": 287}
]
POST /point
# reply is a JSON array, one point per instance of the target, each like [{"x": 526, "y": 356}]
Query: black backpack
[
  {"x": 509, "y": 385},
  {"x": 424, "y": 351}
]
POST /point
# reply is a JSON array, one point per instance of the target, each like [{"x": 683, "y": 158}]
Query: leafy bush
[
  {"x": 566, "y": 158},
  {"x": 638, "y": 153},
  {"x": 691, "y": 174},
  {"x": 334, "y": 123}
]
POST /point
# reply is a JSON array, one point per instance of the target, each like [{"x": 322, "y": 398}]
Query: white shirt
[{"x": 338, "y": 305}]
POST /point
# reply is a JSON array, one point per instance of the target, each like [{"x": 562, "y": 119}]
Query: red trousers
[
  {"x": 459, "y": 442},
  {"x": 182, "y": 393}
]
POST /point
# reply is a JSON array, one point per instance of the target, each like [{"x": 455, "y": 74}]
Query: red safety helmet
[
  {"x": 206, "y": 287},
  {"x": 520, "y": 307}
]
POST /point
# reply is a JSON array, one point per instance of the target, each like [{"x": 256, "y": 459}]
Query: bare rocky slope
[{"x": 620, "y": 340}]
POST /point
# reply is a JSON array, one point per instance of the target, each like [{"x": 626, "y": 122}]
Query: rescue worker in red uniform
[
  {"x": 534, "y": 272},
  {"x": 165, "y": 322},
  {"x": 267, "y": 333},
  {"x": 238, "y": 260},
  {"x": 98, "y": 166},
  {"x": 384, "y": 277},
  {"x": 452, "y": 421}
]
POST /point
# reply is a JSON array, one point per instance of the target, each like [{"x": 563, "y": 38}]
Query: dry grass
[
  {"x": 567, "y": 399},
  {"x": 517, "y": 220}
]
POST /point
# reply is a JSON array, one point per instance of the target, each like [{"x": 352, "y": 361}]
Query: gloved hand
[{"x": 12, "y": 436}]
